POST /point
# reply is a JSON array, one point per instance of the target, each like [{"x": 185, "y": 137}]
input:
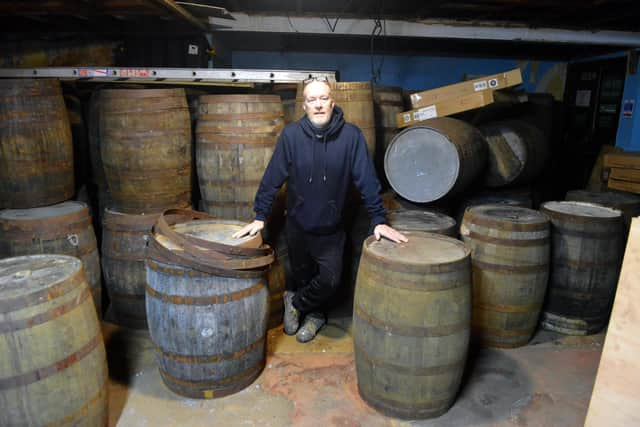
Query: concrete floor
[{"x": 546, "y": 383}]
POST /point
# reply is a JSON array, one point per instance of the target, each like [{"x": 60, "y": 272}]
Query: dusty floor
[{"x": 547, "y": 383}]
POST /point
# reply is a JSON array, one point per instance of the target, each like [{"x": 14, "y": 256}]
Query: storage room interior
[{"x": 133, "y": 140}]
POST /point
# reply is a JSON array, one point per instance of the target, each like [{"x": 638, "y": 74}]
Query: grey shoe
[
  {"x": 291, "y": 314},
  {"x": 313, "y": 322}
]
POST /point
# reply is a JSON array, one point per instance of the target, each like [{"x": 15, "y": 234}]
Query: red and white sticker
[
  {"x": 100, "y": 72},
  {"x": 134, "y": 72}
]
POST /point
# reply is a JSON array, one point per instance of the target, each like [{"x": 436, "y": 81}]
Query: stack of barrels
[
  {"x": 142, "y": 142},
  {"x": 50, "y": 299},
  {"x": 207, "y": 303}
]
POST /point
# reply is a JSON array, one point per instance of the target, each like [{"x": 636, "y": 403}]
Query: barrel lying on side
[
  {"x": 586, "y": 254},
  {"x": 53, "y": 369},
  {"x": 124, "y": 244},
  {"x": 36, "y": 147},
  {"x": 209, "y": 329},
  {"x": 411, "y": 323},
  {"x": 510, "y": 259},
  {"x": 65, "y": 228},
  {"x": 425, "y": 163}
]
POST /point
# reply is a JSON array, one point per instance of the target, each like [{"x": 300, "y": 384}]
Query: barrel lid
[
  {"x": 606, "y": 198},
  {"x": 24, "y": 275},
  {"x": 44, "y": 212},
  {"x": 507, "y": 213},
  {"x": 422, "y": 249},
  {"x": 421, "y": 164},
  {"x": 219, "y": 231},
  {"x": 581, "y": 209},
  {"x": 420, "y": 220}
]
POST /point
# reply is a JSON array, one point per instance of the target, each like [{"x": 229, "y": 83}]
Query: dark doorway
[{"x": 593, "y": 97}]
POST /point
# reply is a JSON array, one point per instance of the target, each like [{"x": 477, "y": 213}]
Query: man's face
[{"x": 318, "y": 104}]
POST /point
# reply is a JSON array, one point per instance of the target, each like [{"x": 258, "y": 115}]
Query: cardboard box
[
  {"x": 632, "y": 187},
  {"x": 625, "y": 174},
  {"x": 622, "y": 160},
  {"x": 488, "y": 83},
  {"x": 444, "y": 108}
]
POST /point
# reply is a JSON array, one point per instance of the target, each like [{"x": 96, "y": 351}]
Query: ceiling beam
[
  {"x": 439, "y": 29},
  {"x": 182, "y": 14}
]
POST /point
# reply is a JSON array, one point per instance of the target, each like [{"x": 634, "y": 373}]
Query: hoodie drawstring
[{"x": 324, "y": 159}]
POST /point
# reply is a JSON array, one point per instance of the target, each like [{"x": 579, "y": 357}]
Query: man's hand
[
  {"x": 383, "y": 230},
  {"x": 250, "y": 229}
]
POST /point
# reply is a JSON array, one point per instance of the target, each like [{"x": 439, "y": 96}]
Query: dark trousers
[{"x": 316, "y": 266}]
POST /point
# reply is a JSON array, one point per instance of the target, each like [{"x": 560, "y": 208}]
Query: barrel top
[
  {"x": 422, "y": 249},
  {"x": 217, "y": 230},
  {"x": 420, "y": 220},
  {"x": 606, "y": 198},
  {"x": 24, "y": 275},
  {"x": 581, "y": 209},
  {"x": 44, "y": 212},
  {"x": 508, "y": 213},
  {"x": 421, "y": 164}
]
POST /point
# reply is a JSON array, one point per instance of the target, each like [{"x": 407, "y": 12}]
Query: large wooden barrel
[
  {"x": 65, "y": 228},
  {"x": 145, "y": 145},
  {"x": 235, "y": 139},
  {"x": 627, "y": 203},
  {"x": 411, "y": 323},
  {"x": 53, "y": 369},
  {"x": 442, "y": 157},
  {"x": 356, "y": 101},
  {"x": 520, "y": 196},
  {"x": 124, "y": 243},
  {"x": 36, "y": 147},
  {"x": 586, "y": 254},
  {"x": 209, "y": 330},
  {"x": 423, "y": 220},
  {"x": 510, "y": 261},
  {"x": 517, "y": 152}
]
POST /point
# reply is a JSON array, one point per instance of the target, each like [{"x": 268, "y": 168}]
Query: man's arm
[
  {"x": 274, "y": 176},
  {"x": 365, "y": 179}
]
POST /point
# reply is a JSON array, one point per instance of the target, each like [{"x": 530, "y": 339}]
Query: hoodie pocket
[
  {"x": 330, "y": 216},
  {"x": 296, "y": 206}
]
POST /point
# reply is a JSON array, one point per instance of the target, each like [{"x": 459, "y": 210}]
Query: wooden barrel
[
  {"x": 423, "y": 220},
  {"x": 411, "y": 323},
  {"x": 277, "y": 278},
  {"x": 124, "y": 243},
  {"x": 36, "y": 147},
  {"x": 521, "y": 196},
  {"x": 235, "y": 139},
  {"x": 54, "y": 368},
  {"x": 517, "y": 152},
  {"x": 65, "y": 228},
  {"x": 387, "y": 102},
  {"x": 209, "y": 330},
  {"x": 442, "y": 157},
  {"x": 290, "y": 111},
  {"x": 586, "y": 254},
  {"x": 627, "y": 203},
  {"x": 356, "y": 101},
  {"x": 510, "y": 262},
  {"x": 145, "y": 145}
]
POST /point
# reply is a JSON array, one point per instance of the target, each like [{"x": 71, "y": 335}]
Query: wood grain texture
[
  {"x": 145, "y": 146},
  {"x": 614, "y": 401},
  {"x": 510, "y": 261},
  {"x": 586, "y": 253},
  {"x": 65, "y": 228},
  {"x": 235, "y": 139},
  {"x": 36, "y": 146},
  {"x": 53, "y": 369},
  {"x": 411, "y": 324},
  {"x": 209, "y": 331}
]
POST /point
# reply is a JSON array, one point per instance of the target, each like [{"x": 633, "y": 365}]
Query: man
[{"x": 318, "y": 156}]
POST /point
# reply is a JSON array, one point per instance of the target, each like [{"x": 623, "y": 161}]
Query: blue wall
[
  {"x": 408, "y": 72},
  {"x": 628, "y": 137}
]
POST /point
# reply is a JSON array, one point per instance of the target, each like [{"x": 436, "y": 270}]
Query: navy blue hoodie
[{"x": 318, "y": 166}]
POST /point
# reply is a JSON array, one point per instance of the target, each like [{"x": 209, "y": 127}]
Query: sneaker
[
  {"x": 313, "y": 322},
  {"x": 291, "y": 314}
]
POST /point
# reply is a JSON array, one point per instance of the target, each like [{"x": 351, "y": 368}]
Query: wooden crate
[{"x": 444, "y": 108}]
